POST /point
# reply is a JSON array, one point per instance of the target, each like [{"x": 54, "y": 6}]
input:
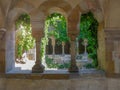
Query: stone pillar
[
  {"x": 38, "y": 67},
  {"x": 2, "y": 50},
  {"x": 112, "y": 49},
  {"x": 63, "y": 47},
  {"x": 53, "y": 45},
  {"x": 77, "y": 46},
  {"x": 37, "y": 22},
  {"x": 73, "y": 67},
  {"x": 73, "y": 32},
  {"x": 10, "y": 50},
  {"x": 10, "y": 46},
  {"x": 101, "y": 47}
]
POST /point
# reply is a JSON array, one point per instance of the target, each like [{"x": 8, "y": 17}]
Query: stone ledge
[
  {"x": 112, "y": 75},
  {"x": 55, "y": 75}
]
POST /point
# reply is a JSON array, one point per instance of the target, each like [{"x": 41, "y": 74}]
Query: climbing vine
[
  {"x": 88, "y": 30},
  {"x": 24, "y": 40},
  {"x": 55, "y": 25}
]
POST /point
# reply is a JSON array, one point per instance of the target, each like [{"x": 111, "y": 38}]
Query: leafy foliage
[
  {"x": 51, "y": 64},
  {"x": 56, "y": 26},
  {"x": 88, "y": 30},
  {"x": 24, "y": 40}
]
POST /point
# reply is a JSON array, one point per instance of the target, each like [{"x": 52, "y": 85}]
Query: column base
[
  {"x": 38, "y": 68},
  {"x": 73, "y": 69}
]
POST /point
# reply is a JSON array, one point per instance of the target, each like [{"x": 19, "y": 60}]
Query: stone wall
[
  {"x": 112, "y": 14},
  {"x": 10, "y": 50},
  {"x": 105, "y": 11},
  {"x": 101, "y": 83}
]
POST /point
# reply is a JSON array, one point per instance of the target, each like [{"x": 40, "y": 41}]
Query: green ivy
[
  {"x": 55, "y": 25},
  {"x": 88, "y": 30},
  {"x": 24, "y": 39}
]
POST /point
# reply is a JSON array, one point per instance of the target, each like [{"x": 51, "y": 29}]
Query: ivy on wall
[
  {"x": 24, "y": 39},
  {"x": 88, "y": 30},
  {"x": 55, "y": 25}
]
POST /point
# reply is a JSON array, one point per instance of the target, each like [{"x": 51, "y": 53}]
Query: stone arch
[
  {"x": 62, "y": 5},
  {"x": 14, "y": 14},
  {"x": 39, "y": 15},
  {"x": 10, "y": 37},
  {"x": 52, "y": 47},
  {"x": 18, "y": 8},
  {"x": 95, "y": 8},
  {"x": 48, "y": 7},
  {"x": 101, "y": 53},
  {"x": 57, "y": 10}
]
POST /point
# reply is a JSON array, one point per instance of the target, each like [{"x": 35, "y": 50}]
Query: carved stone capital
[{"x": 73, "y": 35}]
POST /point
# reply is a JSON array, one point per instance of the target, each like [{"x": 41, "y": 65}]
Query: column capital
[{"x": 73, "y": 35}]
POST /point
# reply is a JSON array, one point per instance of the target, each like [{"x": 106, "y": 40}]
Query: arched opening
[
  {"x": 87, "y": 42},
  {"x": 24, "y": 47},
  {"x": 57, "y": 46}
]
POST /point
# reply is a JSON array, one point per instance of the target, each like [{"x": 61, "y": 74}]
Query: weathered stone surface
[
  {"x": 71, "y": 84},
  {"x": 113, "y": 84},
  {"x": 2, "y": 83},
  {"x": 2, "y": 62},
  {"x": 89, "y": 84},
  {"x": 105, "y": 11}
]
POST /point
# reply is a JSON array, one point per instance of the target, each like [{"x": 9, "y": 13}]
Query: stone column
[
  {"x": 10, "y": 46},
  {"x": 2, "y": 50},
  {"x": 10, "y": 50},
  {"x": 77, "y": 46},
  {"x": 73, "y": 67},
  {"x": 37, "y": 22},
  {"x": 53, "y": 45},
  {"x": 63, "y": 47},
  {"x": 101, "y": 47},
  {"x": 73, "y": 32},
  {"x": 38, "y": 67}
]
